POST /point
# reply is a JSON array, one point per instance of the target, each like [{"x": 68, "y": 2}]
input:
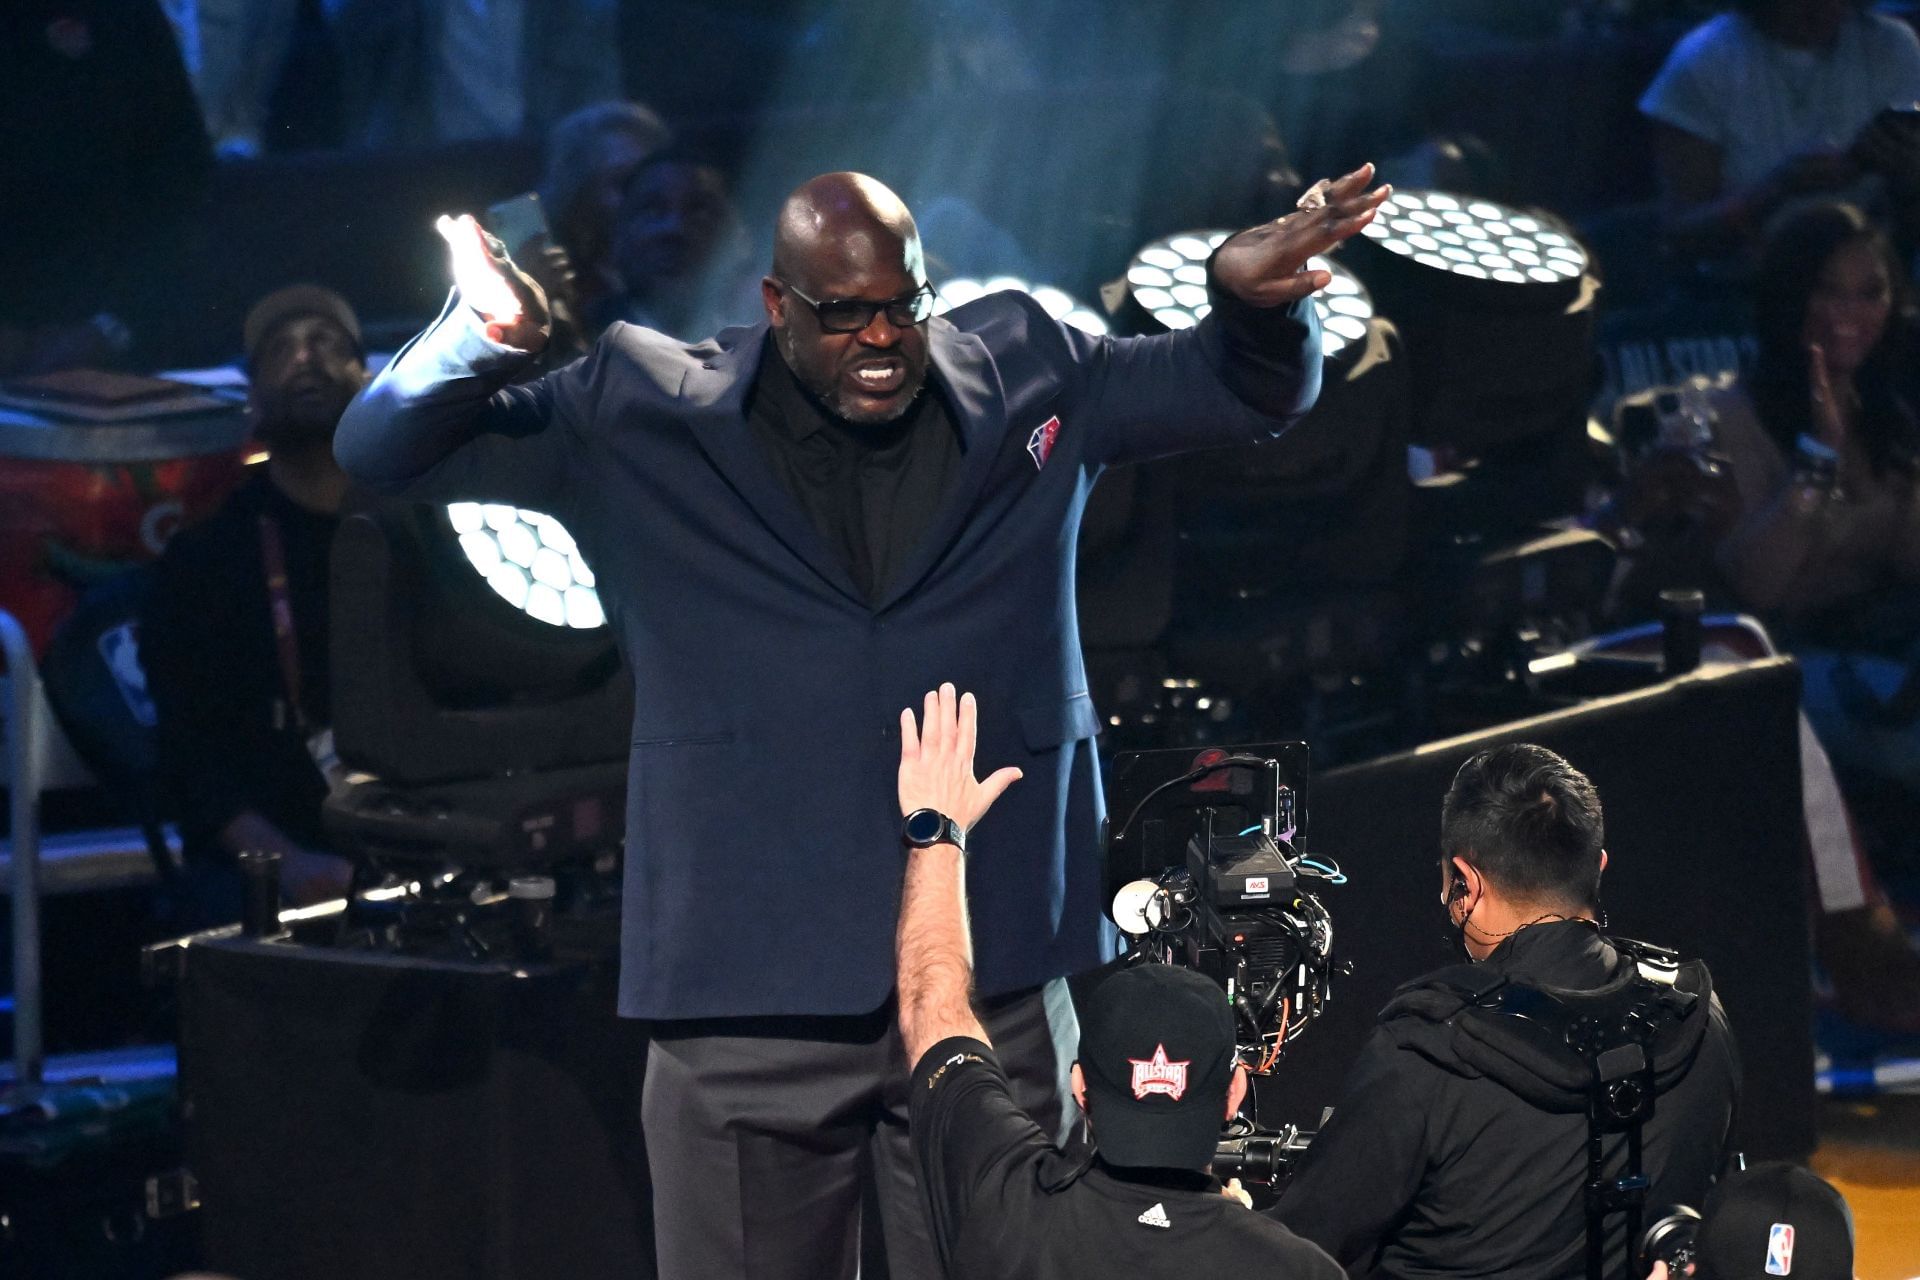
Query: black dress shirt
[{"x": 869, "y": 489}]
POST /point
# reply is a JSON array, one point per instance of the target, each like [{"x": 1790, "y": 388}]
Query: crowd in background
[
  {"x": 1782, "y": 173},
  {"x": 1754, "y": 164}
]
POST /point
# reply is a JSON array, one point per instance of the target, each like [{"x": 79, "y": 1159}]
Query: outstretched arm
[
  {"x": 1253, "y": 365},
  {"x": 934, "y": 953},
  {"x": 440, "y": 420}
]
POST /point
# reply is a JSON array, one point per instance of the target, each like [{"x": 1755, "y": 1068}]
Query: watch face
[{"x": 923, "y": 826}]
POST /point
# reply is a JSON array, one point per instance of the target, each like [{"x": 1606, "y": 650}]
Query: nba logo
[{"x": 1780, "y": 1249}]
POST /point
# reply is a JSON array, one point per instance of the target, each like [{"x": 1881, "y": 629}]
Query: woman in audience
[{"x": 1823, "y": 443}]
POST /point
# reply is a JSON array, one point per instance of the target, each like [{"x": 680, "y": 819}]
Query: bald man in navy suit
[{"x": 798, "y": 526}]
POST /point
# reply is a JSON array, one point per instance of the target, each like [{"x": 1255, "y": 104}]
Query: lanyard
[{"x": 273, "y": 555}]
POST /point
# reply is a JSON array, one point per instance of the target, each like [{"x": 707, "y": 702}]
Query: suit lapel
[
  {"x": 713, "y": 398},
  {"x": 978, "y": 406}
]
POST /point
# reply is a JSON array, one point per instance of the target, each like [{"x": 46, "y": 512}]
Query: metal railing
[{"x": 24, "y": 774}]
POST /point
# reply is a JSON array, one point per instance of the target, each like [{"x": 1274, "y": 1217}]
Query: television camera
[{"x": 1206, "y": 871}]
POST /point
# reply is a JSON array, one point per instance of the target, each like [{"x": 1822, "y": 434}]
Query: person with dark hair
[
  {"x": 591, "y": 155},
  {"x": 803, "y": 523},
  {"x": 1781, "y": 99},
  {"x": 1822, "y": 444},
  {"x": 1435, "y": 1162},
  {"x": 1156, "y": 1074},
  {"x": 1823, "y": 438},
  {"x": 681, "y": 251},
  {"x": 234, "y": 638}
]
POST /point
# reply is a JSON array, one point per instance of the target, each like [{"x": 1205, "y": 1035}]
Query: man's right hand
[
  {"x": 936, "y": 760},
  {"x": 510, "y": 303}
]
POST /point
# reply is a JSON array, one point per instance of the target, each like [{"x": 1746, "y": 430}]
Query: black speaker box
[{"x": 387, "y": 1118}]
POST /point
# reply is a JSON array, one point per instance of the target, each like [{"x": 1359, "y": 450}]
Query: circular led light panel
[
  {"x": 1168, "y": 278},
  {"x": 1479, "y": 239},
  {"x": 1057, "y": 303},
  {"x": 530, "y": 561}
]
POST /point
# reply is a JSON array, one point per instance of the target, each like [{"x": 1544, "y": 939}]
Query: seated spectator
[
  {"x": 235, "y": 637},
  {"x": 1823, "y": 446},
  {"x": 685, "y": 262},
  {"x": 1447, "y": 1155},
  {"x": 1777, "y": 99},
  {"x": 1157, "y": 1076},
  {"x": 590, "y": 157}
]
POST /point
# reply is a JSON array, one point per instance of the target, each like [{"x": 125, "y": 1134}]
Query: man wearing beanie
[
  {"x": 234, "y": 636},
  {"x": 1156, "y": 1076}
]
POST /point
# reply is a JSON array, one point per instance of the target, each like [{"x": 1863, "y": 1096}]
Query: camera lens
[{"x": 1670, "y": 1240}]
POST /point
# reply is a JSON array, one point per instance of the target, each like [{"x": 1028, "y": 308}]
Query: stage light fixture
[
  {"x": 1497, "y": 306},
  {"x": 1168, "y": 281},
  {"x": 1477, "y": 239},
  {"x": 1058, "y": 303},
  {"x": 530, "y": 561}
]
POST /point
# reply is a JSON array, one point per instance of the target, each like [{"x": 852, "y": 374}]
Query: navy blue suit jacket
[{"x": 759, "y": 669}]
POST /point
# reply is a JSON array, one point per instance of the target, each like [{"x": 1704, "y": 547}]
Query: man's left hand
[
  {"x": 936, "y": 760},
  {"x": 1265, "y": 265}
]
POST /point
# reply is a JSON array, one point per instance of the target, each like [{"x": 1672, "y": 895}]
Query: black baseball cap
[
  {"x": 1157, "y": 1051},
  {"x": 1774, "y": 1219}
]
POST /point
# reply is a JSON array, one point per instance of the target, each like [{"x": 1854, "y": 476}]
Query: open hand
[
  {"x": 936, "y": 760},
  {"x": 1264, "y": 265},
  {"x": 510, "y": 302}
]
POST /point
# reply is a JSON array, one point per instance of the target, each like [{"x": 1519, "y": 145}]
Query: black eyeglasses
[{"x": 851, "y": 315}]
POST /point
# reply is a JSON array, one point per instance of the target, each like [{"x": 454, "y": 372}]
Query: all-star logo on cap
[{"x": 1157, "y": 1075}]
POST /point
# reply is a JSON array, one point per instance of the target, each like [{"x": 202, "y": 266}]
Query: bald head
[
  {"x": 848, "y": 300},
  {"x": 843, "y": 225}
]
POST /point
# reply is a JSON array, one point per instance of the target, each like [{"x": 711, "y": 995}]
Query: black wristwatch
[{"x": 926, "y": 827}]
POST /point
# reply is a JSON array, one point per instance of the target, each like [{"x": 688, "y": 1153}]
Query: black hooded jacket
[{"x": 1433, "y": 1166}]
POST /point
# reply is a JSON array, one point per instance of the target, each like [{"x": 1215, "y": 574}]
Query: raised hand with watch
[{"x": 940, "y": 799}]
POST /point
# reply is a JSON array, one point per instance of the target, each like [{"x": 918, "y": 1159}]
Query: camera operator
[
  {"x": 1432, "y": 1164},
  {"x": 1156, "y": 1076}
]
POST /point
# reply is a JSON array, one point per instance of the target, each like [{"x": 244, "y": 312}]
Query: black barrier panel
[
  {"x": 1700, "y": 779},
  {"x": 388, "y": 1119}
]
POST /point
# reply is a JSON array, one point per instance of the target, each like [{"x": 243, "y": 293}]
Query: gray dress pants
[{"x": 765, "y": 1136}]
